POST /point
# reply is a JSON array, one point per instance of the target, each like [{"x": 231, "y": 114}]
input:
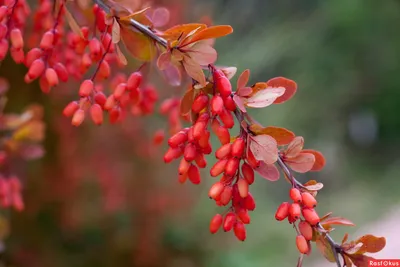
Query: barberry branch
[{"x": 334, "y": 246}]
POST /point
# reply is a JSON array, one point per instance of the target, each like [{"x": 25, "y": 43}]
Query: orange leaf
[
  {"x": 302, "y": 163},
  {"x": 243, "y": 79},
  {"x": 337, "y": 221},
  {"x": 289, "y": 85},
  {"x": 345, "y": 237},
  {"x": 139, "y": 16},
  {"x": 371, "y": 244},
  {"x": 319, "y": 159},
  {"x": 138, "y": 45},
  {"x": 175, "y": 32},
  {"x": 209, "y": 33},
  {"x": 314, "y": 187},
  {"x": 281, "y": 135},
  {"x": 186, "y": 102},
  {"x": 326, "y": 216},
  {"x": 72, "y": 22},
  {"x": 194, "y": 70}
]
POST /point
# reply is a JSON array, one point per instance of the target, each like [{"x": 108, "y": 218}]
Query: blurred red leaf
[
  {"x": 337, "y": 221},
  {"x": 371, "y": 244},
  {"x": 243, "y": 79},
  {"x": 186, "y": 102},
  {"x": 208, "y": 33}
]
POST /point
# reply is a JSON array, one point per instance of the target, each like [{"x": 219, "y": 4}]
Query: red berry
[
  {"x": 218, "y": 167},
  {"x": 86, "y": 88},
  {"x": 295, "y": 210},
  {"x": 78, "y": 117},
  {"x": 243, "y": 187},
  {"x": 248, "y": 173},
  {"x": 36, "y": 69},
  {"x": 200, "y": 160},
  {"x": 119, "y": 90},
  {"x": 61, "y": 71},
  {"x": 216, "y": 190},
  {"x": 227, "y": 118},
  {"x": 249, "y": 202},
  {"x": 283, "y": 211},
  {"x": 222, "y": 83},
  {"x": 16, "y": 38},
  {"x": 134, "y": 81},
  {"x": 178, "y": 139},
  {"x": 232, "y": 166},
  {"x": 190, "y": 152},
  {"x": 70, "y": 109},
  {"x": 244, "y": 216},
  {"x": 302, "y": 244},
  {"x": 183, "y": 166},
  {"x": 158, "y": 137},
  {"x": 224, "y": 151},
  {"x": 229, "y": 221},
  {"x": 216, "y": 223},
  {"x": 51, "y": 76},
  {"x": 194, "y": 174},
  {"x": 229, "y": 103},
  {"x": 238, "y": 148},
  {"x": 295, "y": 195},
  {"x": 199, "y": 103},
  {"x": 115, "y": 114},
  {"x": 240, "y": 231},
  {"x": 226, "y": 195},
  {"x": 306, "y": 230},
  {"x": 311, "y": 216},
  {"x": 308, "y": 200},
  {"x": 96, "y": 112},
  {"x": 217, "y": 105},
  {"x": 223, "y": 135},
  {"x": 171, "y": 154},
  {"x": 100, "y": 98},
  {"x": 47, "y": 40}
]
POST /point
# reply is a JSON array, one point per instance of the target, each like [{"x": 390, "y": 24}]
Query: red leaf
[
  {"x": 194, "y": 70},
  {"x": 243, "y": 79},
  {"x": 281, "y": 135},
  {"x": 202, "y": 53},
  {"x": 360, "y": 260},
  {"x": 371, "y": 244},
  {"x": 289, "y": 85},
  {"x": 268, "y": 171},
  {"x": 294, "y": 147},
  {"x": 264, "y": 148},
  {"x": 319, "y": 159},
  {"x": 239, "y": 103},
  {"x": 337, "y": 221},
  {"x": 302, "y": 163},
  {"x": 175, "y": 32},
  {"x": 265, "y": 97},
  {"x": 186, "y": 102}
]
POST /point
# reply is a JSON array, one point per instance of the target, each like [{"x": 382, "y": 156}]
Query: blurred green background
[{"x": 95, "y": 201}]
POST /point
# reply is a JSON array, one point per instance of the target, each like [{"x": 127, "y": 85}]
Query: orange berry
[
  {"x": 311, "y": 216},
  {"x": 283, "y": 211},
  {"x": 295, "y": 210},
  {"x": 295, "y": 195},
  {"x": 223, "y": 135},
  {"x": 306, "y": 230},
  {"x": 308, "y": 200},
  {"x": 302, "y": 244}
]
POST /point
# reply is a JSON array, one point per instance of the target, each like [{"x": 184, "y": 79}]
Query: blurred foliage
[{"x": 343, "y": 55}]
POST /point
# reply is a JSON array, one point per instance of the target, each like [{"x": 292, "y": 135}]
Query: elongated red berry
[
  {"x": 36, "y": 69},
  {"x": 134, "y": 81},
  {"x": 199, "y": 103},
  {"x": 226, "y": 195},
  {"x": 190, "y": 152},
  {"x": 52, "y": 77},
  {"x": 249, "y": 202},
  {"x": 216, "y": 223},
  {"x": 295, "y": 195},
  {"x": 227, "y": 118},
  {"x": 311, "y": 216},
  {"x": 218, "y": 167},
  {"x": 295, "y": 210},
  {"x": 199, "y": 129},
  {"x": 306, "y": 230},
  {"x": 222, "y": 83},
  {"x": 194, "y": 174},
  {"x": 78, "y": 117},
  {"x": 47, "y": 40},
  {"x": 229, "y": 221},
  {"x": 248, "y": 173},
  {"x": 301, "y": 244},
  {"x": 283, "y": 211},
  {"x": 229, "y": 103},
  {"x": 62, "y": 72},
  {"x": 224, "y": 151},
  {"x": 119, "y": 90},
  {"x": 308, "y": 200},
  {"x": 200, "y": 160},
  {"x": 100, "y": 98},
  {"x": 216, "y": 190},
  {"x": 238, "y": 147},
  {"x": 178, "y": 139},
  {"x": 158, "y": 137},
  {"x": 16, "y": 38},
  {"x": 96, "y": 112},
  {"x": 70, "y": 109},
  {"x": 232, "y": 166},
  {"x": 240, "y": 231},
  {"x": 243, "y": 187},
  {"x": 183, "y": 166},
  {"x": 172, "y": 153},
  {"x": 217, "y": 105},
  {"x": 86, "y": 88},
  {"x": 243, "y": 215}
]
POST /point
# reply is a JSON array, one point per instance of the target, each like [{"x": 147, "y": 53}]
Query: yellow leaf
[{"x": 138, "y": 45}]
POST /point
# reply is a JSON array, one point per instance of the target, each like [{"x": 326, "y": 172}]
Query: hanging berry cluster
[{"x": 94, "y": 57}]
